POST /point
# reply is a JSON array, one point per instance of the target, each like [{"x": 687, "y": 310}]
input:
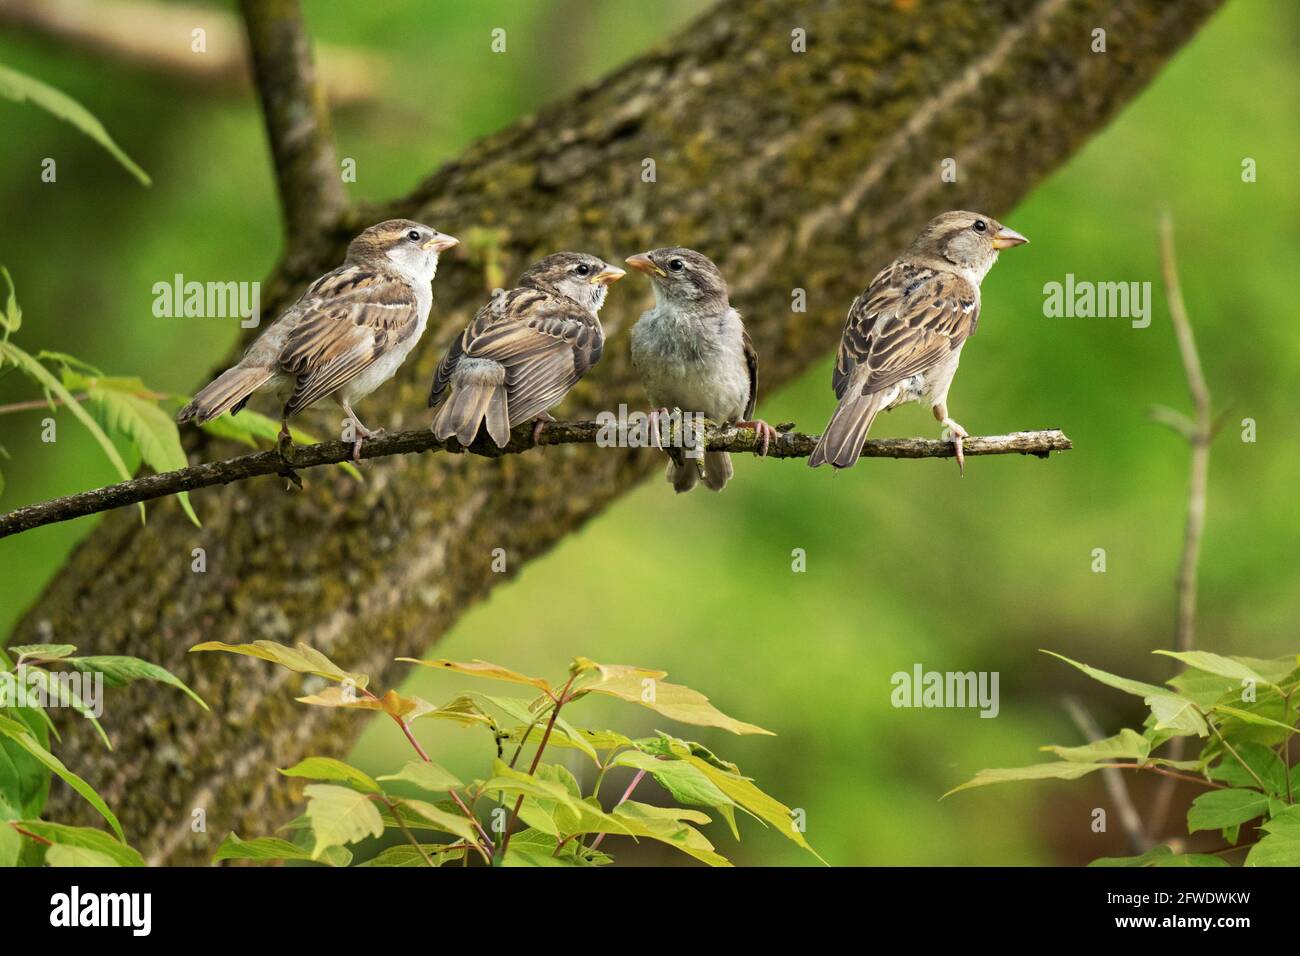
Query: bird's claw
[
  {"x": 955, "y": 434},
  {"x": 656, "y": 441},
  {"x": 539, "y": 425},
  {"x": 764, "y": 435}
]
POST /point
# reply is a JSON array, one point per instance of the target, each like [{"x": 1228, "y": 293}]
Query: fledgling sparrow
[
  {"x": 346, "y": 336},
  {"x": 693, "y": 353},
  {"x": 904, "y": 335},
  {"x": 524, "y": 350}
]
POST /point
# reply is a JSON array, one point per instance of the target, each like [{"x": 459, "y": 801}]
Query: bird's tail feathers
[
  {"x": 717, "y": 470},
  {"x": 841, "y": 443},
  {"x": 478, "y": 396},
  {"x": 230, "y": 390}
]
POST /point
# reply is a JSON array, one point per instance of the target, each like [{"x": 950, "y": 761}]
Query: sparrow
[
  {"x": 346, "y": 336},
  {"x": 524, "y": 350},
  {"x": 904, "y": 335},
  {"x": 693, "y": 353}
]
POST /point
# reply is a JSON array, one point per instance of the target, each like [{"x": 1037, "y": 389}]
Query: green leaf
[
  {"x": 327, "y": 768},
  {"x": 11, "y": 842},
  {"x": 340, "y": 815},
  {"x": 46, "y": 652},
  {"x": 85, "y": 837},
  {"x": 61, "y": 691},
  {"x": 1126, "y": 745},
  {"x": 405, "y": 855},
  {"x": 672, "y": 700},
  {"x": 1216, "y": 664},
  {"x": 477, "y": 668},
  {"x": 1281, "y": 847},
  {"x": 12, "y": 320},
  {"x": 303, "y": 659},
  {"x": 1266, "y": 765},
  {"x": 1160, "y": 856},
  {"x": 21, "y": 735},
  {"x": 757, "y": 803},
  {"x": 270, "y": 849},
  {"x": 119, "y": 407},
  {"x": 1224, "y": 808},
  {"x": 1171, "y": 711},
  {"x": 1063, "y": 770},
  {"x": 669, "y": 826},
  {"x": 20, "y": 87},
  {"x": 392, "y": 703},
  {"x": 686, "y": 783},
  {"x": 426, "y": 775},
  {"x": 1253, "y": 718},
  {"x": 24, "y": 780},
  {"x": 76, "y": 856},
  {"x": 120, "y": 670},
  {"x": 46, "y": 379},
  {"x": 446, "y": 821}
]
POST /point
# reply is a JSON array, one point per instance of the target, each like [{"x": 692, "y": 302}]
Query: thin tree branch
[
  {"x": 1199, "y": 431},
  {"x": 1111, "y": 778},
  {"x": 788, "y": 444},
  {"x": 296, "y": 117}
]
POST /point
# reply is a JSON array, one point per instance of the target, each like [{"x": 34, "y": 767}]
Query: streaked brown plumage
[
  {"x": 346, "y": 336},
  {"x": 903, "y": 337},
  {"x": 524, "y": 350}
]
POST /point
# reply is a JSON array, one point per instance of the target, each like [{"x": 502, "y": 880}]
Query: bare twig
[
  {"x": 717, "y": 438},
  {"x": 296, "y": 116},
  {"x": 1111, "y": 778},
  {"x": 1199, "y": 431}
]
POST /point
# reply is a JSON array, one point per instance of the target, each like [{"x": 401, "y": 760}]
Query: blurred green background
[{"x": 905, "y": 563}]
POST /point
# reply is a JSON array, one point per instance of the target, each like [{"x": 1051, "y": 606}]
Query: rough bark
[{"x": 792, "y": 170}]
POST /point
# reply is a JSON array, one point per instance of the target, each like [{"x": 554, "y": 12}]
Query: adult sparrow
[
  {"x": 346, "y": 336},
  {"x": 904, "y": 334},
  {"x": 693, "y": 353},
  {"x": 524, "y": 350}
]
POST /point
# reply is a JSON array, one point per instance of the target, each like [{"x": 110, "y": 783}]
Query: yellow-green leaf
[
  {"x": 302, "y": 659},
  {"x": 327, "y": 768},
  {"x": 340, "y": 815},
  {"x": 427, "y": 775},
  {"x": 477, "y": 668}
]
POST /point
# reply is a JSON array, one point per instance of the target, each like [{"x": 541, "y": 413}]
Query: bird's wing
[
  {"x": 545, "y": 342},
  {"x": 751, "y": 362},
  {"x": 909, "y": 318},
  {"x": 348, "y": 319}
]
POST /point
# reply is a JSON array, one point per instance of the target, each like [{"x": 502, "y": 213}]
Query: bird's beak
[
  {"x": 440, "y": 242},
  {"x": 1006, "y": 238},
  {"x": 642, "y": 263},
  {"x": 607, "y": 276}
]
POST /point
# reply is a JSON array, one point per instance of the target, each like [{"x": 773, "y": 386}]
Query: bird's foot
[
  {"x": 764, "y": 435},
  {"x": 955, "y": 434},
  {"x": 363, "y": 435},
  {"x": 539, "y": 425},
  {"x": 284, "y": 443},
  {"x": 656, "y": 440}
]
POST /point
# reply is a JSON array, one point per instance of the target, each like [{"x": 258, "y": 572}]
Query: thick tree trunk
[{"x": 793, "y": 170}]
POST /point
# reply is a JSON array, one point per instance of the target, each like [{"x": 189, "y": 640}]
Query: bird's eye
[
  {"x": 413, "y": 235},
  {"x": 980, "y": 225},
  {"x": 676, "y": 265},
  {"x": 583, "y": 269}
]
